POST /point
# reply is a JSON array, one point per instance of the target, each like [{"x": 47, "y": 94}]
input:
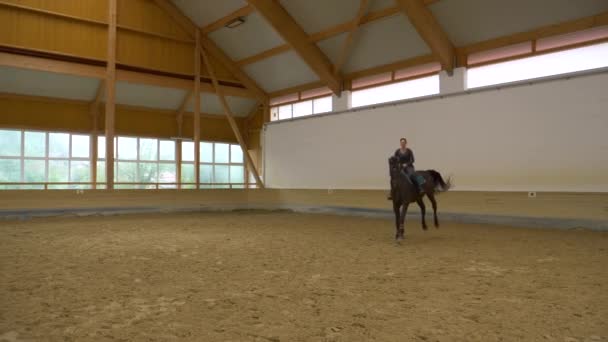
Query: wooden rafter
[
  {"x": 295, "y": 36},
  {"x": 99, "y": 72},
  {"x": 327, "y": 33},
  {"x": 232, "y": 122},
  {"x": 218, "y": 24},
  {"x": 350, "y": 37},
  {"x": 431, "y": 32},
  {"x": 181, "y": 19}
]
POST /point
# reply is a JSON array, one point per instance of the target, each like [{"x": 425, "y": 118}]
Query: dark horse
[{"x": 404, "y": 192}]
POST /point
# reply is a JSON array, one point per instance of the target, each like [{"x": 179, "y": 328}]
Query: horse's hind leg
[
  {"x": 434, "y": 203},
  {"x": 422, "y": 212}
]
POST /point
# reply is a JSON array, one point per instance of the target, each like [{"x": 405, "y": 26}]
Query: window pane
[
  {"x": 322, "y": 105},
  {"x": 127, "y": 172},
  {"x": 187, "y": 151},
  {"x": 35, "y": 144},
  {"x": 148, "y": 173},
  {"x": 59, "y": 145},
  {"x": 127, "y": 148},
  {"x": 80, "y": 171},
  {"x": 221, "y": 153},
  {"x": 58, "y": 171},
  {"x": 302, "y": 108},
  {"x": 148, "y": 149},
  {"x": 206, "y": 174},
  {"x": 101, "y": 171},
  {"x": 206, "y": 152},
  {"x": 188, "y": 173},
  {"x": 274, "y": 113},
  {"x": 237, "y": 174},
  {"x": 167, "y": 173},
  {"x": 101, "y": 148},
  {"x": 10, "y": 143},
  {"x": 80, "y": 146},
  {"x": 34, "y": 171},
  {"x": 397, "y": 91},
  {"x": 236, "y": 154},
  {"x": 285, "y": 112},
  {"x": 167, "y": 150},
  {"x": 10, "y": 170},
  {"x": 585, "y": 58},
  {"x": 221, "y": 174}
]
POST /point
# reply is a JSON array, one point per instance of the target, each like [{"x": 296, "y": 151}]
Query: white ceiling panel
[
  {"x": 40, "y": 83},
  {"x": 210, "y": 104},
  {"x": 332, "y": 47},
  {"x": 383, "y": 42},
  {"x": 377, "y": 5},
  {"x": 470, "y": 21},
  {"x": 204, "y": 12},
  {"x": 250, "y": 38},
  {"x": 280, "y": 72},
  {"x": 148, "y": 96},
  {"x": 318, "y": 15}
]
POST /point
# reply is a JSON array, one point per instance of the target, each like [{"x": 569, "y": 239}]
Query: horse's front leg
[
  {"x": 396, "y": 207},
  {"x": 402, "y": 221}
]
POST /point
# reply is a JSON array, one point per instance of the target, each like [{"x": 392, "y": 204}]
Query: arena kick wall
[{"x": 548, "y": 136}]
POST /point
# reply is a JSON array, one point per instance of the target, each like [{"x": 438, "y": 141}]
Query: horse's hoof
[
  {"x": 437, "y": 225},
  {"x": 425, "y": 228}
]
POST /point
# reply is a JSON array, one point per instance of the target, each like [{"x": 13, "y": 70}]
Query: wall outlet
[{"x": 531, "y": 194}]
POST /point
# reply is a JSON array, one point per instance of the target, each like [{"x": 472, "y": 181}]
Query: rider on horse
[{"x": 406, "y": 161}]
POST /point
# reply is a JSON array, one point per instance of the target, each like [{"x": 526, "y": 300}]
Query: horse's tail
[{"x": 442, "y": 186}]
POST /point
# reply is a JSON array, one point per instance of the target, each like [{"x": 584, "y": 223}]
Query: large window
[
  {"x": 579, "y": 59},
  {"x": 140, "y": 163},
  {"x": 221, "y": 165},
  {"x": 302, "y": 108},
  {"x": 396, "y": 91},
  {"x": 45, "y": 160}
]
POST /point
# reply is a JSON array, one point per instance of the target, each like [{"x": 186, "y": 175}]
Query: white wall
[{"x": 548, "y": 136}]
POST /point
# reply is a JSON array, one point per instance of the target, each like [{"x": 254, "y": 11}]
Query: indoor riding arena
[{"x": 304, "y": 170}]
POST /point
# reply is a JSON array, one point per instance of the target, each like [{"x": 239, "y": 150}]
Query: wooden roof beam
[
  {"x": 431, "y": 32},
  {"x": 327, "y": 33},
  {"x": 295, "y": 36},
  {"x": 351, "y": 36}
]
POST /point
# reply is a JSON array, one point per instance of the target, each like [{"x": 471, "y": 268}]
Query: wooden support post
[
  {"x": 110, "y": 94},
  {"x": 197, "y": 108},
  {"x": 94, "y": 113},
  {"x": 231, "y": 121},
  {"x": 178, "y": 144}
]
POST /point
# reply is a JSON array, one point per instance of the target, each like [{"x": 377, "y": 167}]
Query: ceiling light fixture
[{"x": 238, "y": 21}]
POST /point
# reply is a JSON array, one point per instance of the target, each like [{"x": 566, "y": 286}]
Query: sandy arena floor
[{"x": 295, "y": 277}]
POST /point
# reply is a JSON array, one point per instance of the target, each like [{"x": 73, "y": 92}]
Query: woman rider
[{"x": 406, "y": 160}]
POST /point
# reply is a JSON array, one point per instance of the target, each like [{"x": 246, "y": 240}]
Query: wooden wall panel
[
  {"x": 89, "y": 9},
  {"x": 42, "y": 32},
  {"x": 147, "y": 16},
  {"x": 17, "y": 112},
  {"x": 143, "y": 122},
  {"x": 154, "y": 53},
  {"x": 212, "y": 129},
  {"x": 73, "y": 116}
]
